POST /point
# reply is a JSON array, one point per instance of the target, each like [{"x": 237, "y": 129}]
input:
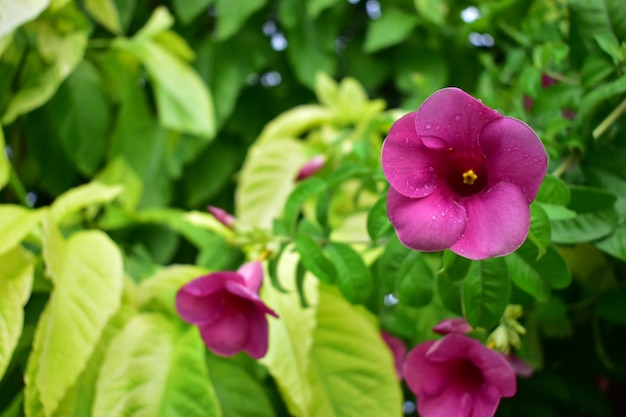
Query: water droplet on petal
[
  {"x": 434, "y": 217},
  {"x": 437, "y": 126},
  {"x": 509, "y": 149},
  {"x": 443, "y": 214},
  {"x": 431, "y": 169},
  {"x": 457, "y": 117},
  {"x": 515, "y": 148},
  {"x": 428, "y": 125}
]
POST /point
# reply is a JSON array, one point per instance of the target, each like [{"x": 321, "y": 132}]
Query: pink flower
[
  {"x": 226, "y": 307},
  {"x": 398, "y": 349},
  {"x": 457, "y": 376},
  {"x": 547, "y": 81},
  {"x": 222, "y": 216},
  {"x": 462, "y": 177},
  {"x": 453, "y": 325},
  {"x": 311, "y": 167},
  {"x": 520, "y": 366}
]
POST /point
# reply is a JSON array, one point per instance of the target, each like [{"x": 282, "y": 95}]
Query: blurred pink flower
[
  {"x": 547, "y": 81},
  {"x": 311, "y": 167},
  {"x": 462, "y": 177},
  {"x": 228, "y": 311},
  {"x": 457, "y": 376},
  {"x": 520, "y": 366},
  {"x": 222, "y": 216},
  {"x": 453, "y": 325},
  {"x": 398, "y": 349}
]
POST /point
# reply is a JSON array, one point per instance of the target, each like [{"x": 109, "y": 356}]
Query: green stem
[
  {"x": 610, "y": 119},
  {"x": 18, "y": 187},
  {"x": 567, "y": 164},
  {"x": 563, "y": 78}
]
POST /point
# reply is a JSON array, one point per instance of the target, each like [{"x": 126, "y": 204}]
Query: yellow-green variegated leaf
[
  {"x": 15, "y": 223},
  {"x": 73, "y": 201},
  {"x": 5, "y": 169},
  {"x": 155, "y": 368},
  {"x": 16, "y": 279},
  {"x": 14, "y": 13}
]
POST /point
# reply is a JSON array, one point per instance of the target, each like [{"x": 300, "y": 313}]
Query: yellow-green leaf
[
  {"x": 14, "y": 13},
  {"x": 15, "y": 223},
  {"x": 83, "y": 196},
  {"x": 105, "y": 13}
]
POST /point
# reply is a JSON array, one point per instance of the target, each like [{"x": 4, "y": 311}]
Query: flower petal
[
  {"x": 398, "y": 350},
  {"x": 407, "y": 164},
  {"x": 425, "y": 378},
  {"x": 196, "y": 300},
  {"x": 453, "y": 325},
  {"x": 485, "y": 402},
  {"x": 451, "y": 347},
  {"x": 454, "y": 117},
  {"x": 228, "y": 335},
  {"x": 258, "y": 335},
  {"x": 428, "y": 224},
  {"x": 450, "y": 403},
  {"x": 498, "y": 223},
  {"x": 252, "y": 273},
  {"x": 514, "y": 153}
]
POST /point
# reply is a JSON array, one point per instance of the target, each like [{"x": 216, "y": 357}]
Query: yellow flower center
[{"x": 469, "y": 177}]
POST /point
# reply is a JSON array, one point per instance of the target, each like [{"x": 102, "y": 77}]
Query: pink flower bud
[
  {"x": 311, "y": 167},
  {"x": 222, "y": 216}
]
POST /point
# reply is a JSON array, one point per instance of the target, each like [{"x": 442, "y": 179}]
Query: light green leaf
[
  {"x": 187, "y": 10},
  {"x": 314, "y": 259},
  {"x": 155, "y": 367},
  {"x": 14, "y": 13},
  {"x": 393, "y": 27},
  {"x": 5, "y": 168},
  {"x": 538, "y": 276},
  {"x": 119, "y": 172},
  {"x": 232, "y": 14},
  {"x": 81, "y": 197},
  {"x": 60, "y": 51},
  {"x": 353, "y": 276},
  {"x": 88, "y": 280},
  {"x": 160, "y": 20},
  {"x": 540, "y": 229},
  {"x": 352, "y": 373},
  {"x": 266, "y": 179},
  {"x": 239, "y": 392},
  {"x": 553, "y": 191},
  {"x": 295, "y": 122},
  {"x": 433, "y": 10},
  {"x": 486, "y": 290},
  {"x": 291, "y": 336},
  {"x": 16, "y": 280},
  {"x": 105, "y": 13},
  {"x": 15, "y": 223},
  {"x": 315, "y": 7}
]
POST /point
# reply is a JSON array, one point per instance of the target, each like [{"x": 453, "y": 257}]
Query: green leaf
[
  {"x": 540, "y": 230},
  {"x": 238, "y": 391},
  {"x": 16, "y": 280},
  {"x": 416, "y": 281},
  {"x": 315, "y": 7},
  {"x": 118, "y": 172},
  {"x": 15, "y": 223},
  {"x": 291, "y": 336},
  {"x": 450, "y": 293},
  {"x": 433, "y": 10},
  {"x": 88, "y": 280},
  {"x": 232, "y": 14},
  {"x": 5, "y": 167},
  {"x": 15, "y": 13},
  {"x": 314, "y": 259},
  {"x": 615, "y": 243},
  {"x": 81, "y": 116},
  {"x": 295, "y": 122},
  {"x": 610, "y": 307},
  {"x": 303, "y": 191},
  {"x": 187, "y": 10},
  {"x": 350, "y": 361},
  {"x": 155, "y": 367},
  {"x": 392, "y": 28},
  {"x": 353, "y": 276},
  {"x": 486, "y": 290},
  {"x": 60, "y": 52},
  {"x": 266, "y": 180},
  {"x": 596, "y": 217},
  {"x": 105, "y": 13},
  {"x": 377, "y": 220},
  {"x": 538, "y": 276},
  {"x": 553, "y": 191},
  {"x": 455, "y": 267},
  {"x": 84, "y": 196},
  {"x": 599, "y": 95}
]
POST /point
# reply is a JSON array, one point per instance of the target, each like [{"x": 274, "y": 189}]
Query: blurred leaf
[
  {"x": 58, "y": 52},
  {"x": 391, "y": 28},
  {"x": 615, "y": 243},
  {"x": 610, "y": 307},
  {"x": 14, "y": 13},
  {"x": 450, "y": 292},
  {"x": 377, "y": 221},
  {"x": 239, "y": 392},
  {"x": 105, "y": 13},
  {"x": 15, "y": 223},
  {"x": 5, "y": 167},
  {"x": 416, "y": 281},
  {"x": 119, "y": 173},
  {"x": 82, "y": 197},
  {"x": 266, "y": 180},
  {"x": 314, "y": 259},
  {"x": 598, "y": 17},
  {"x": 535, "y": 275},
  {"x": 486, "y": 290},
  {"x": 232, "y": 14},
  {"x": 350, "y": 360},
  {"x": 553, "y": 191},
  {"x": 353, "y": 276},
  {"x": 596, "y": 217},
  {"x": 160, "y": 20},
  {"x": 433, "y": 10},
  {"x": 302, "y": 192},
  {"x": 88, "y": 280},
  {"x": 16, "y": 280},
  {"x": 187, "y": 10},
  {"x": 315, "y": 7},
  {"x": 291, "y": 337},
  {"x": 540, "y": 229},
  {"x": 155, "y": 367},
  {"x": 81, "y": 117},
  {"x": 551, "y": 318},
  {"x": 455, "y": 268},
  {"x": 295, "y": 122},
  {"x": 600, "y": 95}
]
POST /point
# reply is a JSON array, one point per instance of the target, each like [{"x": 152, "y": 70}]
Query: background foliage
[{"x": 123, "y": 119}]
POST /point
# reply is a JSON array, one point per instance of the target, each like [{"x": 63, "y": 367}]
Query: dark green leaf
[
  {"x": 553, "y": 191},
  {"x": 232, "y": 14},
  {"x": 454, "y": 267},
  {"x": 377, "y": 220},
  {"x": 187, "y": 10},
  {"x": 300, "y": 274},
  {"x": 353, "y": 276},
  {"x": 303, "y": 191},
  {"x": 314, "y": 259},
  {"x": 486, "y": 290},
  {"x": 393, "y": 27},
  {"x": 540, "y": 230},
  {"x": 450, "y": 293},
  {"x": 611, "y": 307},
  {"x": 416, "y": 281}
]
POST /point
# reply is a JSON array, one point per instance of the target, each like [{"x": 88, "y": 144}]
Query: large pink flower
[
  {"x": 457, "y": 376},
  {"x": 462, "y": 177},
  {"x": 226, "y": 307},
  {"x": 398, "y": 350}
]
